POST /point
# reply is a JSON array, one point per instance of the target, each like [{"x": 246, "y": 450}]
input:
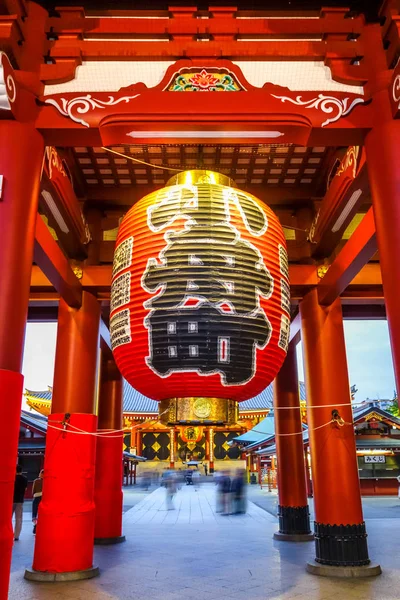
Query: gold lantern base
[{"x": 198, "y": 410}]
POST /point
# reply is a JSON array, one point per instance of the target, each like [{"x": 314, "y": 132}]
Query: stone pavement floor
[
  {"x": 374, "y": 507},
  {"x": 193, "y": 552}
]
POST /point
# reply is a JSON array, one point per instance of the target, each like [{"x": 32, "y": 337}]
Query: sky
[
  {"x": 369, "y": 359},
  {"x": 39, "y": 355},
  {"x": 367, "y": 344}
]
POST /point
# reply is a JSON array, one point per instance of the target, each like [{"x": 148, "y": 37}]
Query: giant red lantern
[{"x": 200, "y": 291}]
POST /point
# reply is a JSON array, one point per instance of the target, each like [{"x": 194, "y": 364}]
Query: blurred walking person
[
  {"x": 37, "y": 491},
  {"x": 218, "y": 482},
  {"x": 20, "y": 485},
  {"x": 196, "y": 479},
  {"x": 226, "y": 493},
  {"x": 170, "y": 489},
  {"x": 238, "y": 489}
]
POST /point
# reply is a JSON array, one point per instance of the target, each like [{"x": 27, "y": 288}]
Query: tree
[
  {"x": 353, "y": 391},
  {"x": 393, "y": 408}
]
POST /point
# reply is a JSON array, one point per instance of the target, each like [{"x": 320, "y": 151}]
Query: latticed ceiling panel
[{"x": 271, "y": 165}]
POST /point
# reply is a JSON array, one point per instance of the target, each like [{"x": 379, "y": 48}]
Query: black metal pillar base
[
  {"x": 294, "y": 521},
  {"x": 108, "y": 541},
  {"x": 341, "y": 545}
]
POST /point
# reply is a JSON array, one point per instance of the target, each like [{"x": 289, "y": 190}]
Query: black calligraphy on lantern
[{"x": 205, "y": 313}]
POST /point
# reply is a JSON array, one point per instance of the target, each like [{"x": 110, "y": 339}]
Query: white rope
[
  {"x": 341, "y": 423},
  {"x": 105, "y": 433},
  {"x": 309, "y": 407}
]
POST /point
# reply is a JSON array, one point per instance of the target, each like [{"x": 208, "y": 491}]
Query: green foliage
[{"x": 393, "y": 408}]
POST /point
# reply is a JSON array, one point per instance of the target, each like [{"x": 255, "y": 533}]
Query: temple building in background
[{"x": 148, "y": 433}]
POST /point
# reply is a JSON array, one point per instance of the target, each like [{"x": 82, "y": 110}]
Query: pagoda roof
[
  {"x": 364, "y": 410},
  {"x": 359, "y": 413},
  {"x": 41, "y": 395},
  {"x": 380, "y": 443},
  {"x": 135, "y": 402},
  {"x": 266, "y": 399},
  {"x": 133, "y": 457},
  {"x": 34, "y": 421},
  {"x": 264, "y": 430}
]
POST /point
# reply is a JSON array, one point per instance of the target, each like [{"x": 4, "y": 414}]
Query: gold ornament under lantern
[{"x": 198, "y": 410}]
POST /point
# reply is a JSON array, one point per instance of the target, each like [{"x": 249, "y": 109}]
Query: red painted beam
[
  {"x": 273, "y": 49},
  {"x": 370, "y": 276},
  {"x": 229, "y": 25},
  {"x": 97, "y": 279},
  {"x": 105, "y": 335},
  {"x": 348, "y": 190},
  {"x": 272, "y": 196},
  {"x": 356, "y": 253},
  {"x": 295, "y": 327},
  {"x": 49, "y": 257},
  {"x": 53, "y": 270}
]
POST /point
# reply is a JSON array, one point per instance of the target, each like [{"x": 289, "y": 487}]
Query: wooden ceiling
[{"x": 259, "y": 165}]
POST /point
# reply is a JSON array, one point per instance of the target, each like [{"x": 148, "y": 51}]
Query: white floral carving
[
  {"x": 327, "y": 104},
  {"x": 69, "y": 107},
  {"x": 396, "y": 89},
  {"x": 11, "y": 89},
  {"x": 8, "y": 89}
]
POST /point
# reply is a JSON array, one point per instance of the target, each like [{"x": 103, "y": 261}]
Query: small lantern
[{"x": 200, "y": 294}]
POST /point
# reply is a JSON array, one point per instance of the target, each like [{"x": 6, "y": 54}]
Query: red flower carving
[{"x": 203, "y": 79}]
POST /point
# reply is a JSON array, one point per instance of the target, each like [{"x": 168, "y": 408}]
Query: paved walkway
[
  {"x": 374, "y": 507},
  {"x": 192, "y": 552}
]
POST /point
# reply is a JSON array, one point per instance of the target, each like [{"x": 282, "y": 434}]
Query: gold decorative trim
[
  {"x": 349, "y": 160},
  {"x": 373, "y": 415},
  {"x": 78, "y": 272},
  {"x": 322, "y": 271},
  {"x": 198, "y": 410}
]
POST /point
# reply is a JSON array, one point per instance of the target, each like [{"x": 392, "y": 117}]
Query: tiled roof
[
  {"x": 34, "y": 420},
  {"x": 362, "y": 411},
  {"x": 381, "y": 443},
  {"x": 137, "y": 403},
  {"x": 271, "y": 449},
  {"x": 266, "y": 398},
  {"x": 134, "y": 402},
  {"x": 134, "y": 457},
  {"x": 45, "y": 395},
  {"x": 359, "y": 412},
  {"x": 260, "y": 402},
  {"x": 262, "y": 431}
]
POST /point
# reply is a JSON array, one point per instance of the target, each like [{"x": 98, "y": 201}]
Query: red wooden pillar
[
  {"x": 139, "y": 438},
  {"x": 293, "y": 513},
  {"x": 340, "y": 535},
  {"x": 108, "y": 495},
  {"x": 65, "y": 530},
  {"x": 382, "y": 145},
  {"x": 21, "y": 157},
  {"x": 134, "y": 435}
]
